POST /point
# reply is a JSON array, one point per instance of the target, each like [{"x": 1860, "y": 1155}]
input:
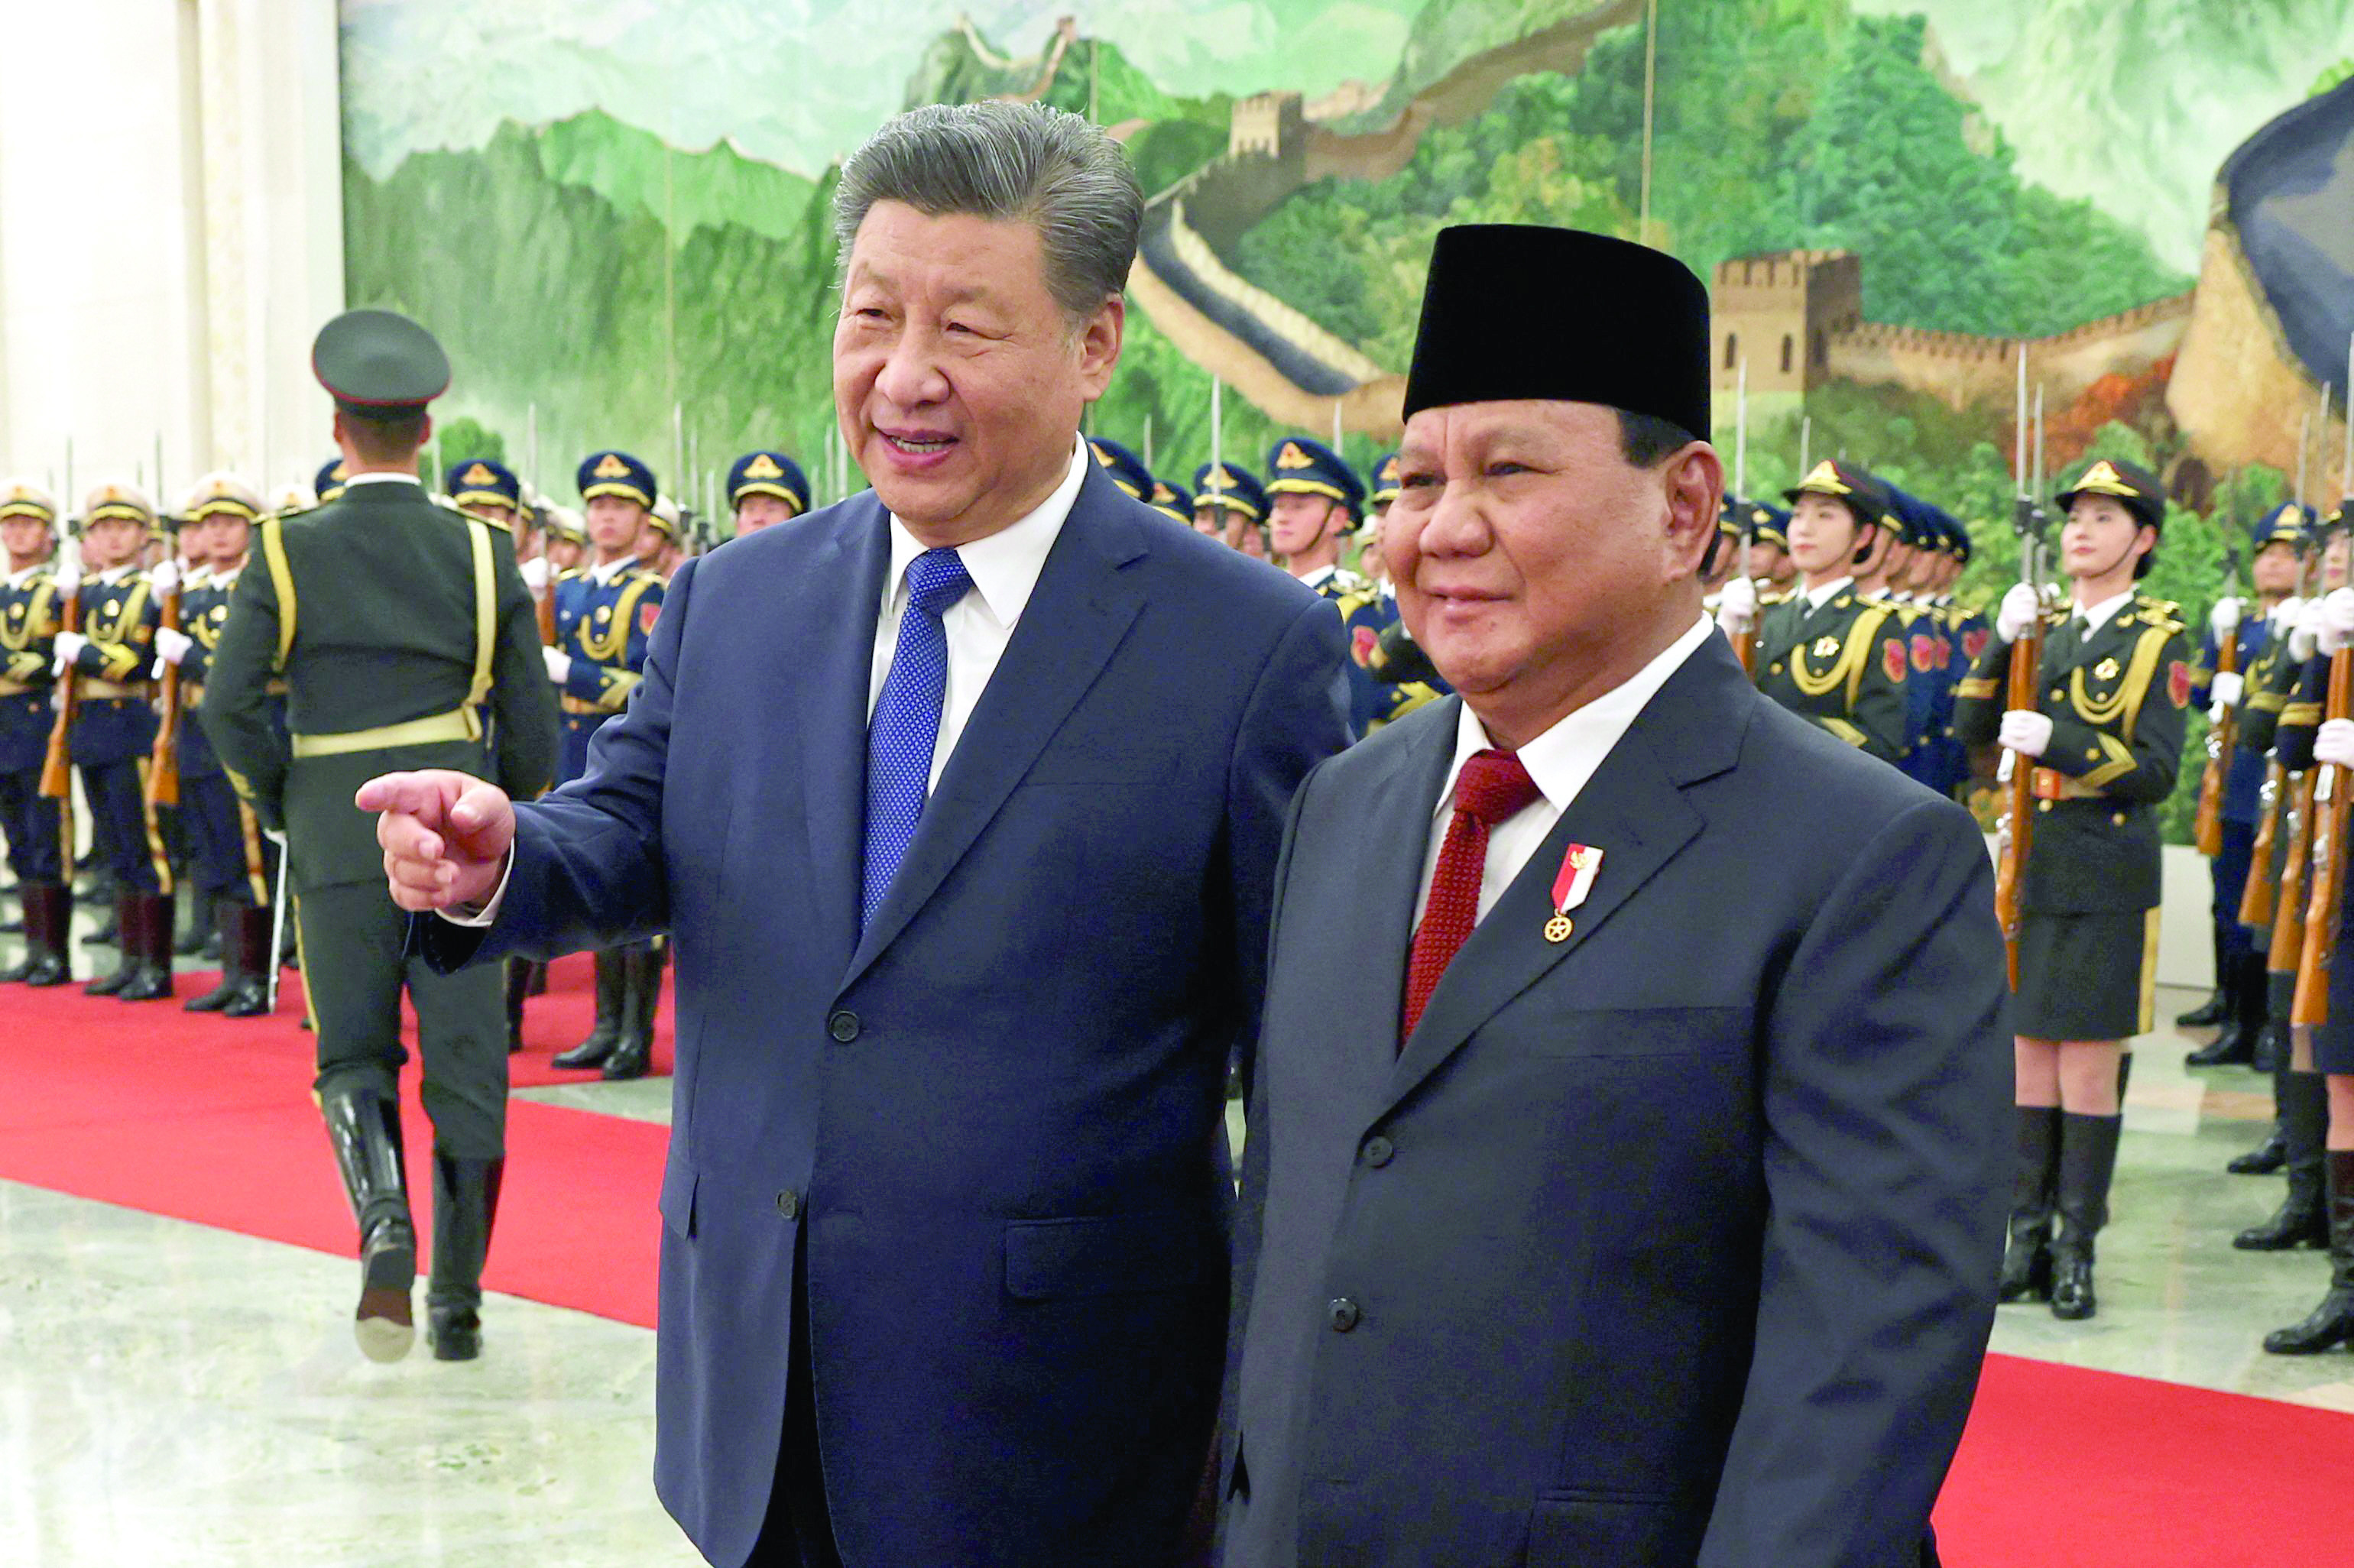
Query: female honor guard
[
  {"x": 604, "y": 614},
  {"x": 114, "y": 730},
  {"x": 1826, "y": 653},
  {"x": 230, "y": 865},
  {"x": 34, "y": 825},
  {"x": 2105, "y": 740}
]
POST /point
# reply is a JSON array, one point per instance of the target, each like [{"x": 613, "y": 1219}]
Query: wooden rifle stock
[
  {"x": 56, "y": 767},
  {"x": 2019, "y": 819},
  {"x": 164, "y": 761},
  {"x": 2332, "y": 796},
  {"x": 2288, "y": 913},
  {"x": 2207, "y": 827},
  {"x": 548, "y": 611},
  {"x": 1745, "y": 648},
  {"x": 2257, "y": 903}
]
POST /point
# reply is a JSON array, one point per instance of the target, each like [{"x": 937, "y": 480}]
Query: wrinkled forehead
[{"x": 1562, "y": 426}]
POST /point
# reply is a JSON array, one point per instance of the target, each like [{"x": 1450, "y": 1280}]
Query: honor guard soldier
[
  {"x": 1929, "y": 675},
  {"x": 329, "y": 482},
  {"x": 1770, "y": 567},
  {"x": 407, "y": 640},
  {"x": 567, "y": 540},
  {"x": 2104, "y": 739},
  {"x": 1826, "y": 653},
  {"x": 1228, "y": 502},
  {"x": 1127, "y": 470},
  {"x": 1370, "y": 566},
  {"x": 2257, "y": 691},
  {"x": 39, "y": 845},
  {"x": 114, "y": 731},
  {"x": 230, "y": 863},
  {"x": 765, "y": 489},
  {"x": 1173, "y": 500},
  {"x": 604, "y": 615},
  {"x": 1313, "y": 499}
]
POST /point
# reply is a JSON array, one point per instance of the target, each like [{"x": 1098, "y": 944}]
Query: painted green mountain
[{"x": 638, "y": 174}]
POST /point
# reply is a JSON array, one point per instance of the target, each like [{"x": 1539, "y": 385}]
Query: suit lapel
[
  {"x": 844, "y": 597},
  {"x": 1633, "y": 810},
  {"x": 1401, "y": 813},
  {"x": 1076, "y": 616}
]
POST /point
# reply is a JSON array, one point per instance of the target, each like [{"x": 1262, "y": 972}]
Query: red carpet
[
  {"x": 207, "y": 1120},
  {"x": 211, "y": 1120}
]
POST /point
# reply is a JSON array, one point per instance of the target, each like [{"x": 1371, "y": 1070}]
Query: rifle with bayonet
[{"x": 2207, "y": 826}]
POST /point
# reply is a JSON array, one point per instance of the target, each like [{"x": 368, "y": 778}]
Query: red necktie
[{"x": 1491, "y": 787}]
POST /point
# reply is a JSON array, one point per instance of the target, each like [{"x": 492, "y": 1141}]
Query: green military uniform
[
  {"x": 1839, "y": 663},
  {"x": 407, "y": 640}
]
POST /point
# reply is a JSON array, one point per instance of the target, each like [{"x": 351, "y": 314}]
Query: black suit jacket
[{"x": 1673, "y": 1243}]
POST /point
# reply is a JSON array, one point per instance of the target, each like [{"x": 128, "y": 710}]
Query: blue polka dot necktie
[{"x": 906, "y": 727}]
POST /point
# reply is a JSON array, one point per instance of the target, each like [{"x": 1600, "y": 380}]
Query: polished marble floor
[{"x": 172, "y": 1395}]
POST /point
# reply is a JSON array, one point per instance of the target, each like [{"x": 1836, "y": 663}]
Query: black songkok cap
[{"x": 1520, "y": 310}]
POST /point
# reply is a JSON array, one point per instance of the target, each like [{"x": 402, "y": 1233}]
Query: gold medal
[{"x": 1558, "y": 929}]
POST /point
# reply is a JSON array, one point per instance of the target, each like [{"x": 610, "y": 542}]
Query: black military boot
[
  {"x": 126, "y": 922},
  {"x": 2236, "y": 1042},
  {"x": 465, "y": 1205},
  {"x": 2088, "y": 1161},
  {"x": 2331, "y": 1323},
  {"x": 518, "y": 979},
  {"x": 2027, "y": 1260},
  {"x": 611, "y": 980},
  {"x": 232, "y": 962},
  {"x": 2217, "y": 1007},
  {"x": 151, "y": 943},
  {"x": 366, "y": 1132},
  {"x": 48, "y": 924},
  {"x": 2303, "y": 1218},
  {"x": 28, "y": 898},
  {"x": 247, "y": 937},
  {"x": 635, "y": 1054}
]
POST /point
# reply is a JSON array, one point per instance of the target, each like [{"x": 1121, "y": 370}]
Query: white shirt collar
[
  {"x": 1818, "y": 598},
  {"x": 115, "y": 574},
  {"x": 18, "y": 579},
  {"x": 2098, "y": 615},
  {"x": 1004, "y": 566},
  {"x": 359, "y": 478},
  {"x": 604, "y": 572},
  {"x": 1563, "y": 757},
  {"x": 1319, "y": 576}
]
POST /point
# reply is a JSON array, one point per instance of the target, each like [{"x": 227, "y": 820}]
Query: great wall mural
[{"x": 625, "y": 213}]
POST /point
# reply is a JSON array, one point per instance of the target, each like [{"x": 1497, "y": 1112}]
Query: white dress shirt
[
  {"x": 1818, "y": 598},
  {"x": 1005, "y": 568},
  {"x": 18, "y": 579},
  {"x": 1560, "y": 760},
  {"x": 2096, "y": 616},
  {"x": 373, "y": 478}
]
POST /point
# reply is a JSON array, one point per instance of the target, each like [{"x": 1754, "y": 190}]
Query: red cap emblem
[{"x": 1892, "y": 659}]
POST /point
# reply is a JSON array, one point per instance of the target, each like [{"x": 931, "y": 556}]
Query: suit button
[
  {"x": 1344, "y": 1314},
  {"x": 788, "y": 1203},
  {"x": 1377, "y": 1151},
  {"x": 843, "y": 1026}
]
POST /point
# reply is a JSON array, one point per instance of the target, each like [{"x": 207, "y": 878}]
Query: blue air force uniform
[
  {"x": 29, "y": 621},
  {"x": 115, "y": 726},
  {"x": 604, "y": 617}
]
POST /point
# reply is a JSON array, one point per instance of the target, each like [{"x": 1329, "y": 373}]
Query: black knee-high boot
[
  {"x": 364, "y": 1131},
  {"x": 2303, "y": 1218},
  {"x": 465, "y": 1205},
  {"x": 2088, "y": 1162},
  {"x": 2027, "y": 1259},
  {"x": 2217, "y": 1007},
  {"x": 612, "y": 979},
  {"x": 2331, "y": 1323},
  {"x": 2236, "y": 1041}
]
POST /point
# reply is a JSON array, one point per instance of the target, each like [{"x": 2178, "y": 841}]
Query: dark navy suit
[
  {"x": 1671, "y": 1242},
  {"x": 997, "y": 1118}
]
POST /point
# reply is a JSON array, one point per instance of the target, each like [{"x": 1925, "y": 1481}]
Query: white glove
[
  {"x": 2024, "y": 731},
  {"x": 68, "y": 580},
  {"x": 2338, "y": 610},
  {"x": 2305, "y": 638},
  {"x": 1736, "y": 608},
  {"x": 2226, "y": 690},
  {"x": 69, "y": 647},
  {"x": 275, "y": 836},
  {"x": 534, "y": 573},
  {"x": 2335, "y": 742},
  {"x": 559, "y": 664},
  {"x": 164, "y": 578},
  {"x": 2016, "y": 612},
  {"x": 173, "y": 645},
  {"x": 2226, "y": 617},
  {"x": 2283, "y": 614}
]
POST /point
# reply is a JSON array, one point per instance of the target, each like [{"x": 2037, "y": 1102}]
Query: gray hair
[{"x": 1018, "y": 162}]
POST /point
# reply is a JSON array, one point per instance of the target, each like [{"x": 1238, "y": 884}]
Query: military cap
[
  {"x": 2341, "y": 516},
  {"x": 1865, "y": 497},
  {"x": 616, "y": 473},
  {"x": 2130, "y": 483},
  {"x": 768, "y": 473},
  {"x": 221, "y": 491},
  {"x": 1173, "y": 500},
  {"x": 23, "y": 498},
  {"x": 663, "y": 515},
  {"x": 116, "y": 499},
  {"x": 1127, "y": 470},
  {"x": 1959, "y": 536},
  {"x": 1297, "y": 466},
  {"x": 293, "y": 498},
  {"x": 479, "y": 482},
  {"x": 2287, "y": 523},
  {"x": 563, "y": 523},
  {"x": 330, "y": 481},
  {"x": 1769, "y": 524},
  {"x": 1731, "y": 512},
  {"x": 1909, "y": 520},
  {"x": 379, "y": 362},
  {"x": 1385, "y": 480},
  {"x": 1231, "y": 488},
  {"x": 1494, "y": 329}
]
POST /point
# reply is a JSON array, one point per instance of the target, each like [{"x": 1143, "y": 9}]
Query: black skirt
[{"x": 2086, "y": 977}]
